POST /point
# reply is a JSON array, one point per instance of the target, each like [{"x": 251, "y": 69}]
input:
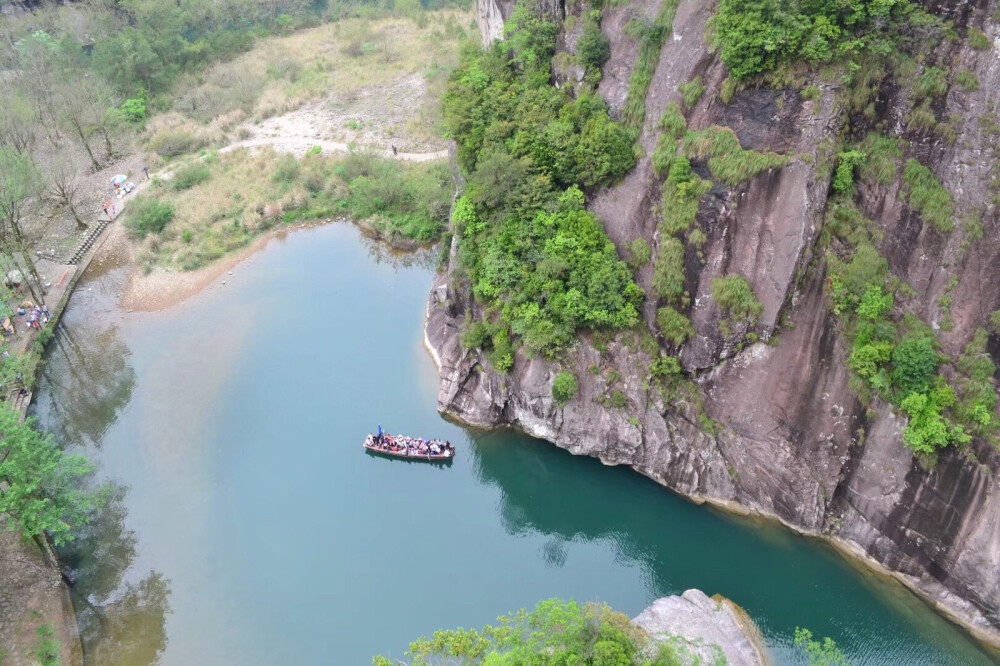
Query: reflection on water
[
  {"x": 120, "y": 622},
  {"x": 257, "y": 532},
  {"x": 89, "y": 382}
]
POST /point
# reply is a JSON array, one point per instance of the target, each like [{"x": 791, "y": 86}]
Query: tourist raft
[{"x": 411, "y": 448}]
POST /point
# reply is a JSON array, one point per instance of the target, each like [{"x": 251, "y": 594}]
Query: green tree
[
  {"x": 43, "y": 493},
  {"x": 819, "y": 653},
  {"x": 593, "y": 48}
]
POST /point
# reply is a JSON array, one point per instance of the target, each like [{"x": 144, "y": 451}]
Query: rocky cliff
[
  {"x": 702, "y": 627},
  {"x": 773, "y": 427}
]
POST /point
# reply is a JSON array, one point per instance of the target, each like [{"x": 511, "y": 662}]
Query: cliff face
[{"x": 790, "y": 440}]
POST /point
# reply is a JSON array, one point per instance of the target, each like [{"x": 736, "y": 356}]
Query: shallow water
[{"x": 236, "y": 419}]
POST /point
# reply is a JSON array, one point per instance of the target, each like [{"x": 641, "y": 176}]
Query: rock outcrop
[
  {"x": 704, "y": 627},
  {"x": 773, "y": 428}
]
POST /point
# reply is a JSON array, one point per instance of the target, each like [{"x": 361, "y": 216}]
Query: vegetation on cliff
[
  {"x": 538, "y": 261},
  {"x": 564, "y": 633}
]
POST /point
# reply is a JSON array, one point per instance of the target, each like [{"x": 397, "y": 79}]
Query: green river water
[{"x": 256, "y": 531}]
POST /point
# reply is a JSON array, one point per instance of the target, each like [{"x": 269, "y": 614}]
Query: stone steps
[{"x": 88, "y": 242}]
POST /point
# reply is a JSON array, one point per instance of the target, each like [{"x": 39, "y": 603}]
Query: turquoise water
[{"x": 236, "y": 419}]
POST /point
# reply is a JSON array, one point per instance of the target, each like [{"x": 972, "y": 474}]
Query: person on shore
[{"x": 394, "y": 150}]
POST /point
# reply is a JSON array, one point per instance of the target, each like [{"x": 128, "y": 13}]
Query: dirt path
[{"x": 299, "y": 146}]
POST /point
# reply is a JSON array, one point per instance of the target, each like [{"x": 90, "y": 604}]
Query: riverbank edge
[
  {"x": 68, "y": 632},
  {"x": 849, "y": 551}
]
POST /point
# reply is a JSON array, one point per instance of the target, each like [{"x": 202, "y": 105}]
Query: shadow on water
[
  {"x": 441, "y": 464},
  {"x": 678, "y": 545}
]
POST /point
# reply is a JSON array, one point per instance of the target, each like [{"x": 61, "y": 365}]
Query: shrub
[
  {"x": 286, "y": 171},
  {"x": 674, "y": 326},
  {"x": 810, "y": 93},
  {"x": 692, "y": 91},
  {"x": 928, "y": 430},
  {"x": 639, "y": 253},
  {"x": 564, "y": 388},
  {"x": 928, "y": 197},
  {"x": 914, "y": 363},
  {"x": 190, "y": 175},
  {"x": 173, "y": 142},
  {"x": 843, "y": 178},
  {"x": 735, "y": 297},
  {"x": 995, "y": 322},
  {"x": 148, "y": 216},
  {"x": 727, "y": 90},
  {"x": 593, "y": 48}
]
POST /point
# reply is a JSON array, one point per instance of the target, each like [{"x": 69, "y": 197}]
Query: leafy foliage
[
  {"x": 843, "y": 178},
  {"x": 756, "y": 36},
  {"x": 904, "y": 369},
  {"x": 534, "y": 254},
  {"x": 42, "y": 492},
  {"x": 593, "y": 48},
  {"x": 555, "y": 632},
  {"x": 825, "y": 653}
]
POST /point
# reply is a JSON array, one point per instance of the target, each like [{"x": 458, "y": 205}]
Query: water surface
[{"x": 256, "y": 531}]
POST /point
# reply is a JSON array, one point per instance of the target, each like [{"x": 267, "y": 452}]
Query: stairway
[{"x": 88, "y": 242}]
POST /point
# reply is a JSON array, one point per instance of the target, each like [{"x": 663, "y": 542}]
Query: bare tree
[
  {"x": 63, "y": 189},
  {"x": 19, "y": 184},
  {"x": 39, "y": 70},
  {"x": 83, "y": 109},
  {"x": 17, "y": 124}
]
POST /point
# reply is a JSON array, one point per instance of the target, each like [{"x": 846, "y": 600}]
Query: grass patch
[
  {"x": 246, "y": 194},
  {"x": 727, "y": 160},
  {"x": 651, "y": 38},
  {"x": 675, "y": 327},
  {"x": 967, "y": 80},
  {"x": 737, "y": 301},
  {"x": 882, "y": 156},
  {"x": 928, "y": 197},
  {"x": 692, "y": 91},
  {"x": 979, "y": 40},
  {"x": 190, "y": 175}
]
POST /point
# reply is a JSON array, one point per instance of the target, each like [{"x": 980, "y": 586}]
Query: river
[{"x": 255, "y": 530}]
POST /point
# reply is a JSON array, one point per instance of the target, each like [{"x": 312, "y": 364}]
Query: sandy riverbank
[{"x": 161, "y": 289}]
